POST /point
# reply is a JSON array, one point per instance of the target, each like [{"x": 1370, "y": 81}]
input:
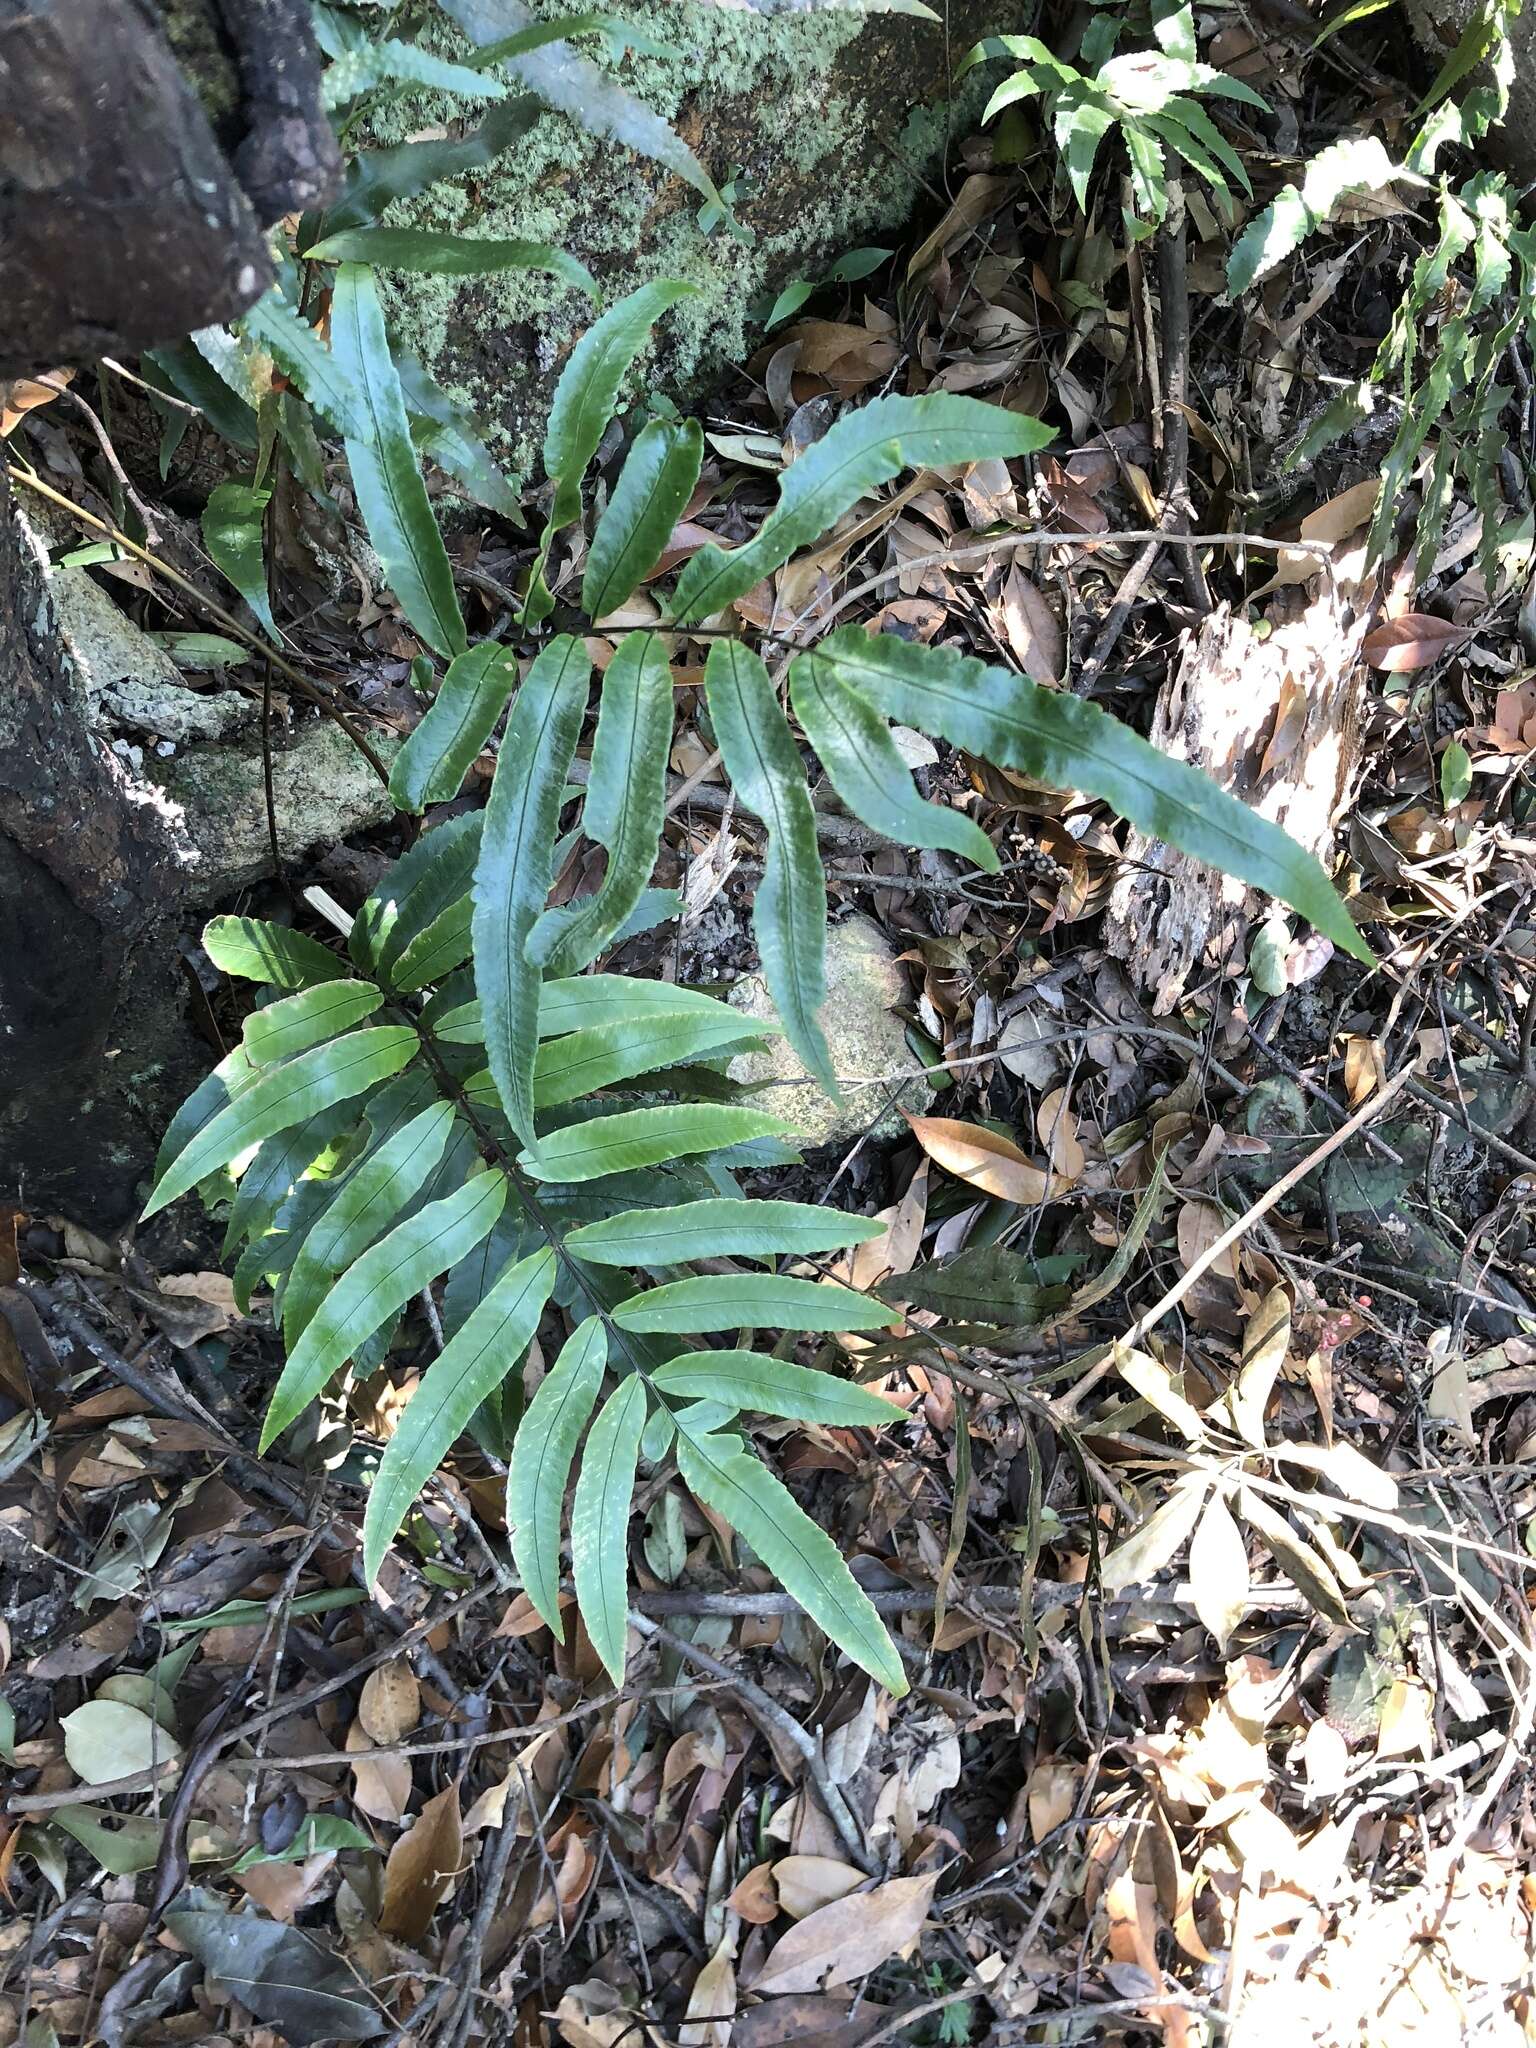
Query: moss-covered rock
[{"x": 831, "y": 118}]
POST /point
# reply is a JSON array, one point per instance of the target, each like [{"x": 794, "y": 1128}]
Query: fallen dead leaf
[
  {"x": 390, "y": 1704},
  {"x": 982, "y": 1158},
  {"x": 423, "y": 1868},
  {"x": 846, "y": 1940},
  {"x": 807, "y": 1883},
  {"x": 1413, "y": 641}
]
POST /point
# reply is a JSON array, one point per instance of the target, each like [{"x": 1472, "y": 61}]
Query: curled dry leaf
[
  {"x": 846, "y": 1940},
  {"x": 712, "y": 2002},
  {"x": 1056, "y": 1128},
  {"x": 982, "y": 1159},
  {"x": 756, "y": 1898}
]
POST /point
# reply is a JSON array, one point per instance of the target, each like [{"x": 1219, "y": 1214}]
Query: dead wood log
[{"x": 1277, "y": 722}]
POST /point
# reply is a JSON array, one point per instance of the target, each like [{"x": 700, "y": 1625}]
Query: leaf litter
[{"x": 1220, "y": 1712}]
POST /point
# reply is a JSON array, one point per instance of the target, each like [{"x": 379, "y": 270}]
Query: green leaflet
[
  {"x": 433, "y": 875},
  {"x": 540, "y": 1465},
  {"x": 654, "y": 485},
  {"x": 376, "y": 178},
  {"x": 600, "y": 1521},
  {"x": 866, "y": 768},
  {"x": 718, "y": 1471},
  {"x": 750, "y": 1301},
  {"x": 258, "y": 951},
  {"x": 300, "y": 353},
  {"x": 789, "y": 910},
  {"x": 405, "y": 63},
  {"x": 864, "y": 449},
  {"x": 1070, "y": 744},
  {"x": 584, "y": 1061},
  {"x": 295, "y": 1023},
  {"x": 434, "y": 761},
  {"x": 390, "y": 492},
  {"x": 447, "y": 940},
  {"x": 773, "y": 1386},
  {"x": 711, "y": 1230},
  {"x": 383, "y": 1280},
  {"x": 232, "y": 535},
  {"x": 589, "y": 388},
  {"x": 231, "y": 1077},
  {"x": 644, "y": 1137},
  {"x": 281, "y": 1162},
  {"x": 586, "y": 1000},
  {"x": 430, "y": 254},
  {"x": 625, "y": 807},
  {"x": 472, "y": 1365},
  {"x": 516, "y": 857},
  {"x": 1359, "y": 163},
  {"x": 366, "y": 1202},
  {"x": 282, "y": 1096}
]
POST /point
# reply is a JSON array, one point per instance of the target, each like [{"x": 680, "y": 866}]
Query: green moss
[
  {"x": 196, "y": 36},
  {"x": 814, "y": 108}
]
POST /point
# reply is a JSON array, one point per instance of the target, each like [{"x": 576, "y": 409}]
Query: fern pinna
[{"x": 463, "y": 1097}]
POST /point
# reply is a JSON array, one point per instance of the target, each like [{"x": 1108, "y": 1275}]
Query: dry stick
[
  {"x": 1067, "y": 1406},
  {"x": 306, "y": 688},
  {"x": 1002, "y": 543},
  {"x": 771, "y": 1719},
  {"x": 1173, "y": 290}
]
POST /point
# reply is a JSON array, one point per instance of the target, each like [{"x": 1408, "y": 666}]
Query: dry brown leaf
[
  {"x": 1056, "y": 1128},
  {"x": 1052, "y": 1794},
  {"x": 423, "y": 1868},
  {"x": 390, "y": 1703},
  {"x": 1034, "y": 632},
  {"x": 21, "y": 395},
  {"x": 807, "y": 1883},
  {"x": 846, "y": 1940},
  {"x": 755, "y": 1898},
  {"x": 1218, "y": 1571},
  {"x": 981, "y": 1158},
  {"x": 1365, "y": 1068},
  {"x": 1413, "y": 641},
  {"x": 977, "y": 197},
  {"x": 381, "y": 1785},
  {"x": 712, "y": 2002}
]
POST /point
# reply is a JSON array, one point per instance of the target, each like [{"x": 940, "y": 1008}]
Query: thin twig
[{"x": 1066, "y": 1407}]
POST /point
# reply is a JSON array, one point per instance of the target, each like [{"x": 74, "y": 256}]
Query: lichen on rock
[{"x": 830, "y": 119}]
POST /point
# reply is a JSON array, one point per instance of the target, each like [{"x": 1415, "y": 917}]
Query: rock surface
[
  {"x": 866, "y": 1037},
  {"x": 831, "y": 118}
]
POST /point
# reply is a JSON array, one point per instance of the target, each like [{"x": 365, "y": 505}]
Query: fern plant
[
  {"x": 1150, "y": 97},
  {"x": 1474, "y": 286},
  {"x": 464, "y": 1098}
]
